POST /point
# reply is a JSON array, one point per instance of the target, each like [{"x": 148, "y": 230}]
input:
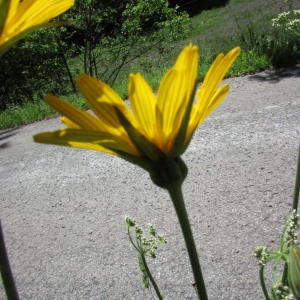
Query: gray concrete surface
[{"x": 63, "y": 209}]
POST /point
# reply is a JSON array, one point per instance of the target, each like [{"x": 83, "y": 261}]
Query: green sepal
[
  {"x": 149, "y": 149},
  {"x": 178, "y": 145},
  {"x": 169, "y": 173},
  {"x": 139, "y": 161}
]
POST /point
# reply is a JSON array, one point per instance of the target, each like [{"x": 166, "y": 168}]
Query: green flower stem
[
  {"x": 295, "y": 206},
  {"x": 262, "y": 282},
  {"x": 6, "y": 273},
  {"x": 151, "y": 278},
  {"x": 285, "y": 274},
  {"x": 176, "y": 195}
]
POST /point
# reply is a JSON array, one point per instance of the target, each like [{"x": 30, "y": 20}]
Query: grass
[
  {"x": 31, "y": 112},
  {"x": 245, "y": 23}
]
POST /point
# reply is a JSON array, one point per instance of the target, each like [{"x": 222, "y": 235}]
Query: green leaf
[
  {"x": 4, "y": 6},
  {"x": 294, "y": 270}
]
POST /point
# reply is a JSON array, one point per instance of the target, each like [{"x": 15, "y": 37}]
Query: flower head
[
  {"x": 18, "y": 18},
  {"x": 156, "y": 128}
]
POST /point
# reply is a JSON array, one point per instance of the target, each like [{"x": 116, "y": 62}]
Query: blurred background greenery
[{"x": 110, "y": 39}]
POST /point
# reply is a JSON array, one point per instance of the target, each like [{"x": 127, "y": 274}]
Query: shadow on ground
[
  {"x": 277, "y": 75},
  {"x": 4, "y": 135}
]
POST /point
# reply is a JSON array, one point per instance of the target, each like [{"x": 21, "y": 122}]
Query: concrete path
[{"x": 63, "y": 209}]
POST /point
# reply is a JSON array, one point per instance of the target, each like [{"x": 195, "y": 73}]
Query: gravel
[{"x": 63, "y": 209}]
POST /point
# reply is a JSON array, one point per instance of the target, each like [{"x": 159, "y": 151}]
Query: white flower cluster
[
  {"x": 282, "y": 292},
  {"x": 289, "y": 20},
  {"x": 147, "y": 243},
  {"x": 291, "y": 235},
  {"x": 261, "y": 253}
]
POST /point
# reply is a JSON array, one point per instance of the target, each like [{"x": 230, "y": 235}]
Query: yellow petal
[
  {"x": 31, "y": 13},
  {"x": 34, "y": 12},
  {"x": 88, "y": 139},
  {"x": 178, "y": 145},
  {"x": 14, "y": 4},
  {"x": 143, "y": 104},
  {"x": 77, "y": 116},
  {"x": 215, "y": 101},
  {"x": 174, "y": 94},
  {"x": 201, "y": 115},
  {"x": 209, "y": 97},
  {"x": 102, "y": 99},
  {"x": 69, "y": 123},
  {"x": 188, "y": 59},
  {"x": 213, "y": 78},
  {"x": 23, "y": 18}
]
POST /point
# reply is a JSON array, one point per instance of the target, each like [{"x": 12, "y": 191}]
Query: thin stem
[
  {"x": 6, "y": 273},
  {"x": 262, "y": 282},
  {"x": 151, "y": 278},
  {"x": 128, "y": 231},
  {"x": 297, "y": 185},
  {"x": 275, "y": 268},
  {"x": 178, "y": 202}
]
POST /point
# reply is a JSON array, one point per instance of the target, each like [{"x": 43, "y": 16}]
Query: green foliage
[
  {"x": 193, "y": 7},
  {"x": 30, "y": 112},
  {"x": 280, "y": 47},
  {"x": 33, "y": 67},
  {"x": 240, "y": 23},
  {"x": 107, "y": 46},
  {"x": 40, "y": 64},
  {"x": 149, "y": 16}
]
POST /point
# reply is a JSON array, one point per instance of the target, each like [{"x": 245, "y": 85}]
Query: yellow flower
[
  {"x": 156, "y": 128},
  {"x": 18, "y": 18}
]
